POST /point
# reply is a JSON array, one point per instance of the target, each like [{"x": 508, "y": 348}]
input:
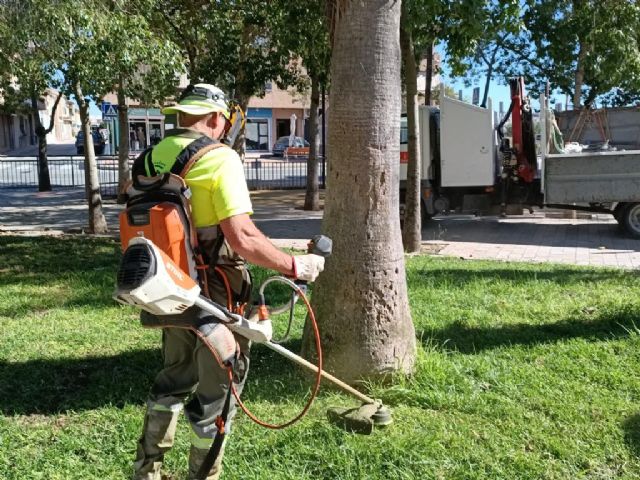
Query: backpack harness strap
[{"x": 188, "y": 156}]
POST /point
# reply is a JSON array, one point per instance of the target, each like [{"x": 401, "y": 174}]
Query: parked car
[
  {"x": 98, "y": 142},
  {"x": 283, "y": 142}
]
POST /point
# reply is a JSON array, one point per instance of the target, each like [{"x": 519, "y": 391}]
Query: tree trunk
[
  {"x": 239, "y": 144},
  {"x": 97, "y": 222},
  {"x": 428, "y": 75},
  {"x": 361, "y": 298},
  {"x": 312, "y": 196},
  {"x": 44, "y": 179},
  {"x": 487, "y": 84},
  {"x": 412, "y": 228},
  {"x": 124, "y": 172},
  {"x": 579, "y": 77}
]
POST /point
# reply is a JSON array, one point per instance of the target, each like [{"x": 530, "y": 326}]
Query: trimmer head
[{"x": 362, "y": 419}]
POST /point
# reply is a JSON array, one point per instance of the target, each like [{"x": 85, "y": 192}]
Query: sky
[
  {"x": 497, "y": 91},
  {"x": 94, "y": 110}
]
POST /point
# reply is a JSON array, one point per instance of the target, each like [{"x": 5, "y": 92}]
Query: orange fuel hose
[{"x": 316, "y": 386}]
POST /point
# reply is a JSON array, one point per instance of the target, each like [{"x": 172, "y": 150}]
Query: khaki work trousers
[{"x": 191, "y": 374}]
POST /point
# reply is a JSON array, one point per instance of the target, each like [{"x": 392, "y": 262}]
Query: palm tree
[{"x": 361, "y": 299}]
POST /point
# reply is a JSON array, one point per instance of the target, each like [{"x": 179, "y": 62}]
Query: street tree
[
  {"x": 232, "y": 43},
  {"x": 412, "y": 225},
  {"x": 81, "y": 29},
  {"x": 501, "y": 22},
  {"x": 28, "y": 68},
  {"x": 140, "y": 64},
  {"x": 308, "y": 42},
  {"x": 68, "y": 37},
  {"x": 423, "y": 23},
  {"x": 361, "y": 298},
  {"x": 457, "y": 25},
  {"x": 585, "y": 48}
]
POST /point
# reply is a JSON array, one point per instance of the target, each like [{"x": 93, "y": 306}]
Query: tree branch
[
  {"x": 188, "y": 46},
  {"x": 53, "y": 114}
]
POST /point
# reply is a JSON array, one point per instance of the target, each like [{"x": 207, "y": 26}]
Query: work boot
[
  {"x": 157, "y": 438},
  {"x": 197, "y": 456}
]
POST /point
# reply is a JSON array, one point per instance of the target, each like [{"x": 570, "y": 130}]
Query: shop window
[
  {"x": 137, "y": 136},
  {"x": 257, "y": 134},
  {"x": 155, "y": 132}
]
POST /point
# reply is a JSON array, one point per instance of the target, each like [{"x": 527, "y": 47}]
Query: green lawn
[{"x": 524, "y": 371}]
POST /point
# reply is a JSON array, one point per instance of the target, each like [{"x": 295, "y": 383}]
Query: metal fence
[{"x": 261, "y": 174}]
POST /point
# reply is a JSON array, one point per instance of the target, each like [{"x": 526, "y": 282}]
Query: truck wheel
[{"x": 630, "y": 219}]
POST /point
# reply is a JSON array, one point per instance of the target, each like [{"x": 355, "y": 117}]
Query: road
[{"x": 53, "y": 150}]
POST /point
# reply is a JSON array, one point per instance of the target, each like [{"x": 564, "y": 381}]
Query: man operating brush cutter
[
  {"x": 212, "y": 189},
  {"x": 149, "y": 279}
]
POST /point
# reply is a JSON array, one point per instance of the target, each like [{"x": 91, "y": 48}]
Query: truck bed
[{"x": 592, "y": 177}]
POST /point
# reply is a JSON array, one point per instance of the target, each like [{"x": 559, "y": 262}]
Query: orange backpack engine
[{"x": 158, "y": 207}]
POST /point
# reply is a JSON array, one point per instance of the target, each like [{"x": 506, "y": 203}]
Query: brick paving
[{"x": 593, "y": 240}]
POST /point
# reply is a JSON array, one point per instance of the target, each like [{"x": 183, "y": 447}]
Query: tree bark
[
  {"x": 44, "y": 179},
  {"x": 577, "y": 93},
  {"x": 312, "y": 196},
  {"x": 487, "y": 84},
  {"x": 124, "y": 172},
  {"x": 239, "y": 144},
  {"x": 412, "y": 228},
  {"x": 428, "y": 75},
  {"x": 97, "y": 222},
  {"x": 361, "y": 298}
]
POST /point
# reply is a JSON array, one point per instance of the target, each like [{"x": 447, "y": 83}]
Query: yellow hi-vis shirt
[{"x": 217, "y": 183}]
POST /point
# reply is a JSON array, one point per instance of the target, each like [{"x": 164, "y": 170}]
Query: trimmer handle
[{"x": 320, "y": 245}]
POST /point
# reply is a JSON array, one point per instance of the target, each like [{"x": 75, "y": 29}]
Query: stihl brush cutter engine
[{"x": 149, "y": 279}]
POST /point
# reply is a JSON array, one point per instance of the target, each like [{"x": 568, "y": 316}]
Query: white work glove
[{"x": 307, "y": 267}]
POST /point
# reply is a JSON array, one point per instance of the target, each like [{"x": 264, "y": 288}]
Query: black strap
[
  {"x": 139, "y": 165},
  {"x": 189, "y": 151},
  {"x": 144, "y": 161},
  {"x": 218, "y": 441},
  {"x": 150, "y": 166}
]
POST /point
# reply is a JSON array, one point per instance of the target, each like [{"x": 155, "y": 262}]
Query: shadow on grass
[
  {"x": 465, "y": 339},
  {"x": 631, "y": 429},
  {"x": 55, "y": 386},
  {"x": 55, "y": 255}
]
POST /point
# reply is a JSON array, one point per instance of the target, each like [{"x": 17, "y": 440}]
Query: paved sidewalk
[
  {"x": 594, "y": 241},
  {"x": 278, "y": 214}
]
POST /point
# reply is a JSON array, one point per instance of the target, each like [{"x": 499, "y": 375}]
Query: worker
[{"x": 220, "y": 205}]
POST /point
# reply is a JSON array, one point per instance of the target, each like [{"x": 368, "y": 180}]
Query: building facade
[
  {"x": 268, "y": 118},
  {"x": 66, "y": 121},
  {"x": 273, "y": 116},
  {"x": 17, "y": 131},
  {"x": 18, "y": 128}
]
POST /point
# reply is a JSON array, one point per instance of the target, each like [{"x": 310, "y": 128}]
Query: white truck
[{"x": 469, "y": 165}]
